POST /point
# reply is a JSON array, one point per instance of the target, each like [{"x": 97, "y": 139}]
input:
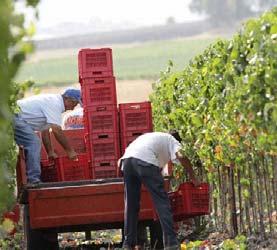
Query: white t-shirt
[
  {"x": 156, "y": 148},
  {"x": 39, "y": 111}
]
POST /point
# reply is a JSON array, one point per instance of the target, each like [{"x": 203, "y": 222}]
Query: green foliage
[
  {"x": 14, "y": 242},
  {"x": 239, "y": 243},
  {"x": 224, "y": 103},
  {"x": 14, "y": 46}
]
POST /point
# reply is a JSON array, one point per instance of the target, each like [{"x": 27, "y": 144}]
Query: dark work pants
[{"x": 137, "y": 172}]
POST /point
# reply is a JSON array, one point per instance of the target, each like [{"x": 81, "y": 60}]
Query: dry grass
[{"x": 127, "y": 90}]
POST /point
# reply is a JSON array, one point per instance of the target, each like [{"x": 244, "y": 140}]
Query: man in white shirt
[
  {"x": 142, "y": 162},
  {"x": 40, "y": 113}
]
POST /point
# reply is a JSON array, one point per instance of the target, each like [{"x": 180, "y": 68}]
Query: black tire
[
  {"x": 38, "y": 239},
  {"x": 156, "y": 235}
]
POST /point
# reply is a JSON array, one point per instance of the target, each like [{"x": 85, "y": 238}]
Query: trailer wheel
[
  {"x": 156, "y": 235},
  {"x": 38, "y": 239}
]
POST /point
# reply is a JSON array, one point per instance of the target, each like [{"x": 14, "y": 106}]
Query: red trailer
[{"x": 51, "y": 208}]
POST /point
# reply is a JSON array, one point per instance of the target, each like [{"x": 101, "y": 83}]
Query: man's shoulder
[
  {"x": 49, "y": 99},
  {"x": 42, "y": 97},
  {"x": 50, "y": 102},
  {"x": 160, "y": 135},
  {"x": 156, "y": 133},
  {"x": 153, "y": 137},
  {"x": 49, "y": 95}
]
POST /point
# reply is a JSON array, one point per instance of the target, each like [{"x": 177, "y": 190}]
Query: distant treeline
[{"x": 163, "y": 32}]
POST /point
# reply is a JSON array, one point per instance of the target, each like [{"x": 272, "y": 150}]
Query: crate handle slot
[
  {"x": 97, "y": 72},
  {"x": 99, "y": 81},
  {"x": 104, "y": 164},
  {"x": 103, "y": 136},
  {"x": 101, "y": 108},
  {"x": 135, "y": 106},
  {"x": 137, "y": 133}
]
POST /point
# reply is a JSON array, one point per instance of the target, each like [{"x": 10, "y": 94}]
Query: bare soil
[{"x": 127, "y": 90}]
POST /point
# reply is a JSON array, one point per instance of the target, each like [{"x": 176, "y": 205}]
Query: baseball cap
[{"x": 74, "y": 94}]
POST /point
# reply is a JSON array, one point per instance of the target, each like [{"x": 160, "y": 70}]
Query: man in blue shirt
[{"x": 41, "y": 113}]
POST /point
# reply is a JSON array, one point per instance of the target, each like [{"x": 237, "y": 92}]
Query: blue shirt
[{"x": 40, "y": 111}]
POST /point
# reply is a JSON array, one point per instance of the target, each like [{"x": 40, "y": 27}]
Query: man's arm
[
  {"x": 61, "y": 138},
  {"x": 187, "y": 164},
  {"x": 47, "y": 144}
]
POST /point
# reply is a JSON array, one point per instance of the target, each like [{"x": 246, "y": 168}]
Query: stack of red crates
[
  {"x": 135, "y": 120},
  {"x": 100, "y": 111},
  {"x": 98, "y": 144}
]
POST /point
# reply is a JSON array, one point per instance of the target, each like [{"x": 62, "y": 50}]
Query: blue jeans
[
  {"x": 26, "y": 137},
  {"x": 135, "y": 173}
]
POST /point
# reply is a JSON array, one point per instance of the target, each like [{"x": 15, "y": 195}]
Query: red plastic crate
[
  {"x": 190, "y": 201},
  {"x": 73, "y": 170},
  {"x": 109, "y": 80},
  {"x": 75, "y": 137},
  {"x": 49, "y": 172},
  {"x": 135, "y": 116},
  {"x": 103, "y": 174},
  {"x": 95, "y": 62},
  {"x": 99, "y": 91},
  {"x": 104, "y": 169},
  {"x": 125, "y": 141},
  {"x": 129, "y": 136},
  {"x": 104, "y": 146},
  {"x": 101, "y": 119}
]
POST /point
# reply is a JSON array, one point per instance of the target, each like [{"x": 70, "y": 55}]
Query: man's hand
[
  {"x": 61, "y": 138},
  {"x": 119, "y": 163},
  {"x": 72, "y": 155},
  {"x": 52, "y": 156},
  {"x": 187, "y": 164}
]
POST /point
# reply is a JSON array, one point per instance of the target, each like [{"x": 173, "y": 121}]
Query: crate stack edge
[
  {"x": 135, "y": 120},
  {"x": 100, "y": 110}
]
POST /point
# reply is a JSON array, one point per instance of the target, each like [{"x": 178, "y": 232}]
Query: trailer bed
[{"x": 83, "y": 204}]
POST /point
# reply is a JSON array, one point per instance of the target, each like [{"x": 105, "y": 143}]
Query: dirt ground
[{"x": 127, "y": 90}]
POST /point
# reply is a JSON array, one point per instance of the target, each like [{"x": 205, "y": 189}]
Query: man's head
[
  {"x": 176, "y": 135},
  {"x": 71, "y": 97}
]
